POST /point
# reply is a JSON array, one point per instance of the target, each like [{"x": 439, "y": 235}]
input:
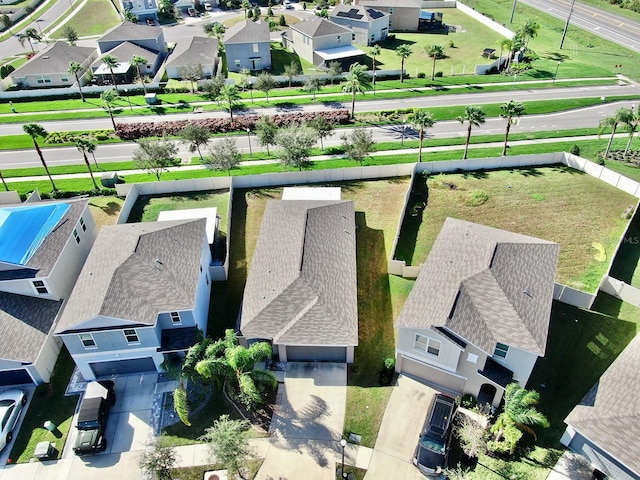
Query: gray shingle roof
[
  {"x": 135, "y": 271},
  {"x": 197, "y": 50},
  {"x": 54, "y": 59},
  {"x": 131, "y": 31},
  {"x": 356, "y": 12},
  {"x": 125, "y": 52},
  {"x": 486, "y": 285},
  {"x": 319, "y": 27},
  {"x": 609, "y": 415},
  {"x": 302, "y": 285},
  {"x": 247, "y": 31},
  {"x": 25, "y": 323}
]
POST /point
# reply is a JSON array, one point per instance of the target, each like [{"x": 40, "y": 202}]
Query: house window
[
  {"x": 501, "y": 350},
  {"x": 131, "y": 335},
  {"x": 339, "y": 39},
  {"x": 255, "y": 48},
  {"x": 353, "y": 37},
  {"x": 428, "y": 345},
  {"x": 390, "y": 10},
  {"x": 472, "y": 358},
  {"x": 87, "y": 340},
  {"x": 83, "y": 225},
  {"x": 64, "y": 79},
  {"x": 76, "y": 236},
  {"x": 175, "y": 318},
  {"x": 237, "y": 63},
  {"x": 40, "y": 287}
]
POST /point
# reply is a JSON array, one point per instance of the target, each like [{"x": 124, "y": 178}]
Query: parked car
[
  {"x": 208, "y": 6},
  {"x": 98, "y": 399},
  {"x": 192, "y": 12},
  {"x": 287, "y": 4},
  {"x": 11, "y": 404},
  {"x": 433, "y": 446}
]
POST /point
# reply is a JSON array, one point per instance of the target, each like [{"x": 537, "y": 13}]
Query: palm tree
[
  {"x": 111, "y": 61},
  {"x": 422, "y": 120},
  {"x": 357, "y": 81},
  {"x": 632, "y": 123},
  {"x": 621, "y": 116},
  {"x": 230, "y": 95},
  {"x": 29, "y": 34},
  {"x": 403, "y": 51},
  {"x": 504, "y": 44},
  {"x": 74, "y": 69},
  {"x": 475, "y": 116},
  {"x": 374, "y": 52},
  {"x": 511, "y": 111},
  {"x": 137, "y": 61},
  {"x": 435, "y": 52},
  {"x": 519, "y": 411},
  {"x": 84, "y": 145},
  {"x": 35, "y": 131},
  {"x": 109, "y": 97},
  {"x": 528, "y": 30}
]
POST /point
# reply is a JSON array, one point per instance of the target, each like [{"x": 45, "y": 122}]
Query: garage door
[
  {"x": 15, "y": 377},
  {"x": 123, "y": 367},
  {"x": 432, "y": 375},
  {"x": 316, "y": 354}
]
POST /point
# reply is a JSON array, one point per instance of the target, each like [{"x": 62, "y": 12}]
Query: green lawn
[
  {"x": 553, "y": 203},
  {"x": 94, "y": 18}
]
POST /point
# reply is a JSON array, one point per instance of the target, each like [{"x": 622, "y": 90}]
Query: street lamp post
[
  {"x": 404, "y": 121},
  {"x": 343, "y": 443},
  {"x": 555, "y": 75},
  {"x": 126, "y": 92},
  {"x": 249, "y": 139}
]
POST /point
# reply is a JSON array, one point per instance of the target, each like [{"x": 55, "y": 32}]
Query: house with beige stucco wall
[{"x": 403, "y": 14}]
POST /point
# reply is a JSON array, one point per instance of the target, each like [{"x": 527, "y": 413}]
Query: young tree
[
  {"x": 214, "y": 28},
  {"x": 74, "y": 69},
  {"x": 421, "y": 119},
  {"x": 223, "y": 155},
  {"x": 158, "y": 459},
  {"x": 111, "y": 61},
  {"x": 266, "y": 131},
  {"x": 84, "y": 145},
  {"x": 291, "y": 71},
  {"x": 265, "y": 83},
  {"x": 129, "y": 16},
  {"x": 229, "y": 445},
  {"x": 527, "y": 31},
  {"x": 631, "y": 122},
  {"x": 511, "y": 112},
  {"x": 7, "y": 23},
  {"x": 213, "y": 87},
  {"x": 191, "y": 73},
  {"x": 155, "y": 156},
  {"x": 36, "y": 131},
  {"x": 322, "y": 126},
  {"x": 282, "y": 21},
  {"x": 246, "y": 83},
  {"x": 435, "y": 52},
  {"x": 295, "y": 146},
  {"x": 230, "y": 95},
  {"x": 30, "y": 34},
  {"x": 613, "y": 122},
  {"x": 403, "y": 51},
  {"x": 256, "y": 13},
  {"x": 195, "y": 136},
  {"x": 137, "y": 61},
  {"x": 334, "y": 70},
  {"x": 313, "y": 85},
  {"x": 249, "y": 14},
  {"x": 357, "y": 81},
  {"x": 246, "y": 5},
  {"x": 504, "y": 44},
  {"x": 475, "y": 117},
  {"x": 109, "y": 97},
  {"x": 375, "y": 52},
  {"x": 358, "y": 145},
  {"x": 70, "y": 34},
  {"x": 473, "y": 435}
]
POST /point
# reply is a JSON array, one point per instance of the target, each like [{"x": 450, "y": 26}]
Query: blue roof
[{"x": 24, "y": 228}]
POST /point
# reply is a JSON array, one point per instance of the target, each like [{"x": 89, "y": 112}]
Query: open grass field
[
  {"x": 552, "y": 203},
  {"x": 94, "y": 18}
]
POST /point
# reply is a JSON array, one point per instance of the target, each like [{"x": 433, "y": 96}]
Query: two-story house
[
  {"x": 404, "y": 15},
  {"x": 321, "y": 42},
  {"x": 43, "y": 246},
  {"x": 247, "y": 45},
  {"x": 367, "y": 24},
  {"x": 142, "y": 295},
  {"x": 144, "y": 10},
  {"x": 477, "y": 317}
]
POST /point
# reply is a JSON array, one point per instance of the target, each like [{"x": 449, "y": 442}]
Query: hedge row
[{"x": 134, "y": 131}]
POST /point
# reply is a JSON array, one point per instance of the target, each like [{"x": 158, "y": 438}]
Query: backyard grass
[
  {"x": 105, "y": 210},
  {"x": 94, "y": 18},
  {"x": 553, "y": 203}
]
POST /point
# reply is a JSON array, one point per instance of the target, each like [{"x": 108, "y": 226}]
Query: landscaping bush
[
  {"x": 422, "y": 75},
  {"x": 438, "y": 74},
  {"x": 468, "y": 401},
  {"x": 477, "y": 198},
  {"x": 106, "y": 192},
  {"x": 575, "y": 150}
]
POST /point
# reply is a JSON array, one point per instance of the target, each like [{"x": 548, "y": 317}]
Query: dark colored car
[
  {"x": 92, "y": 417},
  {"x": 433, "y": 447}
]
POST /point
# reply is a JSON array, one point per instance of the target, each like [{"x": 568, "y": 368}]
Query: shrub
[
  {"x": 477, "y": 198},
  {"x": 468, "y": 401},
  {"x": 575, "y": 150},
  {"x": 421, "y": 75},
  {"x": 452, "y": 44},
  {"x": 390, "y": 363},
  {"x": 282, "y": 21},
  {"x": 438, "y": 74}
]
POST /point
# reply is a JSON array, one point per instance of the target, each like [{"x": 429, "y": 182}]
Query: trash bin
[
  {"x": 109, "y": 179},
  {"x": 49, "y": 425},
  {"x": 151, "y": 99}
]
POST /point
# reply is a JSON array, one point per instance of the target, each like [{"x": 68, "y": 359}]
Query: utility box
[
  {"x": 45, "y": 451},
  {"x": 109, "y": 179},
  {"x": 151, "y": 99}
]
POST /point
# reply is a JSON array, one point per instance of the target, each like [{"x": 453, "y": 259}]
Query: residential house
[
  {"x": 247, "y": 45},
  {"x": 320, "y": 42},
  {"x": 43, "y": 246},
  {"x": 125, "y": 72},
  {"x": 403, "y": 14},
  {"x": 367, "y": 24},
  {"x": 194, "y": 51},
  {"x": 141, "y": 297},
  {"x": 604, "y": 426},
  {"x": 144, "y": 10},
  {"x": 50, "y": 67},
  {"x": 477, "y": 317},
  {"x": 301, "y": 291}
]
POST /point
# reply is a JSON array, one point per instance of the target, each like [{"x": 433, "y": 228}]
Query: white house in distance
[
  {"x": 477, "y": 317},
  {"x": 142, "y": 295},
  {"x": 43, "y": 246},
  {"x": 367, "y": 24}
]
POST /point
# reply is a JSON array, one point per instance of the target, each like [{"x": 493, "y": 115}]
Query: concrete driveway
[{"x": 307, "y": 426}]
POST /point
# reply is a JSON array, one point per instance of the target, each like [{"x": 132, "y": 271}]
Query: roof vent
[
  {"x": 527, "y": 293},
  {"x": 46, "y": 57}
]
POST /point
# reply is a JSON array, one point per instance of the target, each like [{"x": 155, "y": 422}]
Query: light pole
[
  {"x": 404, "y": 121},
  {"x": 126, "y": 92},
  {"x": 555, "y": 75},
  {"x": 249, "y": 139},
  {"x": 343, "y": 443}
]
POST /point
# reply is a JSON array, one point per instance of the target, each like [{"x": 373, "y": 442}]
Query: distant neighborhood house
[
  {"x": 367, "y": 24},
  {"x": 194, "y": 51},
  {"x": 144, "y": 10},
  {"x": 247, "y": 45},
  {"x": 403, "y": 14}
]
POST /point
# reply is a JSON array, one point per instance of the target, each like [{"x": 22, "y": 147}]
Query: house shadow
[
  {"x": 627, "y": 257},
  {"x": 412, "y": 220}
]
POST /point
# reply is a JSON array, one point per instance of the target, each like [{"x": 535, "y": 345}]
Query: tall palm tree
[
  {"x": 435, "y": 52},
  {"x": 35, "y": 131},
  {"x": 137, "y": 61},
  {"x": 83, "y": 145},
  {"x": 475, "y": 117},
  {"x": 111, "y": 61},
  {"x": 632, "y": 123},
  {"x": 230, "y": 95},
  {"x": 528, "y": 30},
  {"x": 519, "y": 411},
  {"x": 29, "y": 35},
  {"x": 109, "y": 97},
  {"x": 74, "y": 69},
  {"x": 375, "y": 51},
  {"x": 504, "y": 44},
  {"x": 622, "y": 115},
  {"x": 403, "y": 51},
  {"x": 357, "y": 81},
  {"x": 422, "y": 120},
  {"x": 511, "y": 112}
]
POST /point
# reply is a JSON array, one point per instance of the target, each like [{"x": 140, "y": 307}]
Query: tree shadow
[
  {"x": 625, "y": 262},
  {"x": 287, "y": 106},
  {"x": 111, "y": 208}
]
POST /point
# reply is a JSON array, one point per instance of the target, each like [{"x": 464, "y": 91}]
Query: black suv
[
  {"x": 433, "y": 446},
  {"x": 92, "y": 417}
]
